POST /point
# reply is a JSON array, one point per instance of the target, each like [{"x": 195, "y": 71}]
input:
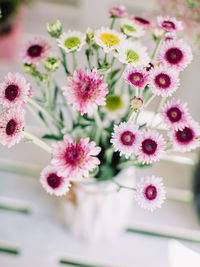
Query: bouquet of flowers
[{"x": 97, "y": 121}]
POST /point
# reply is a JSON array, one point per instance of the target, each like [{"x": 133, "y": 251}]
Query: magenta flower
[
  {"x": 14, "y": 90},
  {"x": 175, "y": 54},
  {"x": 53, "y": 183},
  {"x": 74, "y": 160},
  {"x": 150, "y": 193},
  {"x": 152, "y": 146},
  {"x": 118, "y": 11},
  {"x": 175, "y": 114},
  {"x": 163, "y": 81},
  {"x": 142, "y": 22},
  {"x": 34, "y": 51},
  {"x": 85, "y": 91},
  {"x": 136, "y": 76},
  {"x": 186, "y": 139},
  {"x": 12, "y": 123},
  {"x": 125, "y": 139},
  {"x": 169, "y": 24}
]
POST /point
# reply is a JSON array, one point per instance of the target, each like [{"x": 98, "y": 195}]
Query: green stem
[
  {"x": 74, "y": 61},
  {"x": 35, "y": 114},
  {"x": 37, "y": 141},
  {"x": 64, "y": 61},
  {"x": 158, "y": 109},
  {"x": 158, "y": 43},
  {"x": 49, "y": 115},
  {"x": 149, "y": 101},
  {"x": 99, "y": 127},
  {"x": 19, "y": 168},
  {"x": 120, "y": 186},
  {"x": 112, "y": 23}
]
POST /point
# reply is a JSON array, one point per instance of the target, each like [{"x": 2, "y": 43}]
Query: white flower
[
  {"x": 71, "y": 41},
  {"x": 108, "y": 39},
  {"x": 131, "y": 28},
  {"x": 130, "y": 52}
]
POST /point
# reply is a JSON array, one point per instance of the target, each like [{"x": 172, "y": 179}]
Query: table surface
[{"x": 42, "y": 241}]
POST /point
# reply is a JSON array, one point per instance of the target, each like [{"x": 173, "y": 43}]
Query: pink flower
[
  {"x": 169, "y": 24},
  {"x": 14, "y": 90},
  {"x": 34, "y": 51},
  {"x": 163, "y": 81},
  {"x": 175, "y": 114},
  {"x": 169, "y": 36},
  {"x": 125, "y": 139},
  {"x": 73, "y": 159},
  {"x": 136, "y": 76},
  {"x": 86, "y": 91},
  {"x": 142, "y": 22},
  {"x": 53, "y": 183},
  {"x": 118, "y": 11},
  {"x": 150, "y": 192},
  {"x": 186, "y": 139},
  {"x": 175, "y": 54},
  {"x": 11, "y": 126},
  {"x": 152, "y": 146}
]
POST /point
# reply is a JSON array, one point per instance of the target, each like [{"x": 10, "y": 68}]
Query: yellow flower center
[
  {"x": 72, "y": 42},
  {"x": 132, "y": 56},
  {"x": 109, "y": 39}
]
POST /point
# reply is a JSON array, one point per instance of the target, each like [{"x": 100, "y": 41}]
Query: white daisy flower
[
  {"x": 131, "y": 28},
  {"x": 71, "y": 41},
  {"x": 108, "y": 39},
  {"x": 133, "y": 53}
]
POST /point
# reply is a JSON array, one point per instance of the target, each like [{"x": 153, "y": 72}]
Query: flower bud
[
  {"x": 136, "y": 103},
  {"x": 51, "y": 63},
  {"x": 54, "y": 29}
]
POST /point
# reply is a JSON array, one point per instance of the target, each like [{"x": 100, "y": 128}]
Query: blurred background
[{"x": 29, "y": 232}]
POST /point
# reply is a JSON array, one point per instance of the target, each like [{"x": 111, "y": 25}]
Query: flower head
[
  {"x": 12, "y": 123},
  {"x": 74, "y": 160},
  {"x": 108, "y": 39},
  {"x": 187, "y": 138},
  {"x": 71, "y": 41},
  {"x": 152, "y": 146},
  {"x": 175, "y": 54},
  {"x": 86, "y": 91},
  {"x": 117, "y": 11},
  {"x": 175, "y": 114},
  {"x": 131, "y": 28},
  {"x": 150, "y": 192},
  {"x": 34, "y": 51},
  {"x": 169, "y": 24},
  {"x": 136, "y": 76},
  {"x": 132, "y": 53},
  {"x": 14, "y": 90},
  {"x": 142, "y": 22},
  {"x": 125, "y": 139},
  {"x": 54, "y": 29},
  {"x": 163, "y": 81},
  {"x": 53, "y": 183},
  {"x": 136, "y": 103}
]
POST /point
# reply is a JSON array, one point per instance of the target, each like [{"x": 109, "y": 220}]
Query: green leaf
[
  {"x": 61, "y": 116},
  {"x": 52, "y": 137}
]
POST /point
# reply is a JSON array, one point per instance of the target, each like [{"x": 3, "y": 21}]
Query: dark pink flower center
[
  {"x": 185, "y": 136},
  {"x": 141, "y": 20},
  {"x": 54, "y": 180},
  {"x": 163, "y": 80},
  {"x": 136, "y": 78},
  {"x": 74, "y": 155},
  {"x": 11, "y": 127},
  {"x": 149, "y": 146},
  {"x": 150, "y": 192},
  {"x": 11, "y": 92},
  {"x": 174, "y": 114},
  {"x": 174, "y": 55},
  {"x": 35, "y": 50},
  {"x": 127, "y": 138},
  {"x": 168, "y": 25}
]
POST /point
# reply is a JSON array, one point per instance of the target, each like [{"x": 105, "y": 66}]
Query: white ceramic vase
[{"x": 97, "y": 211}]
